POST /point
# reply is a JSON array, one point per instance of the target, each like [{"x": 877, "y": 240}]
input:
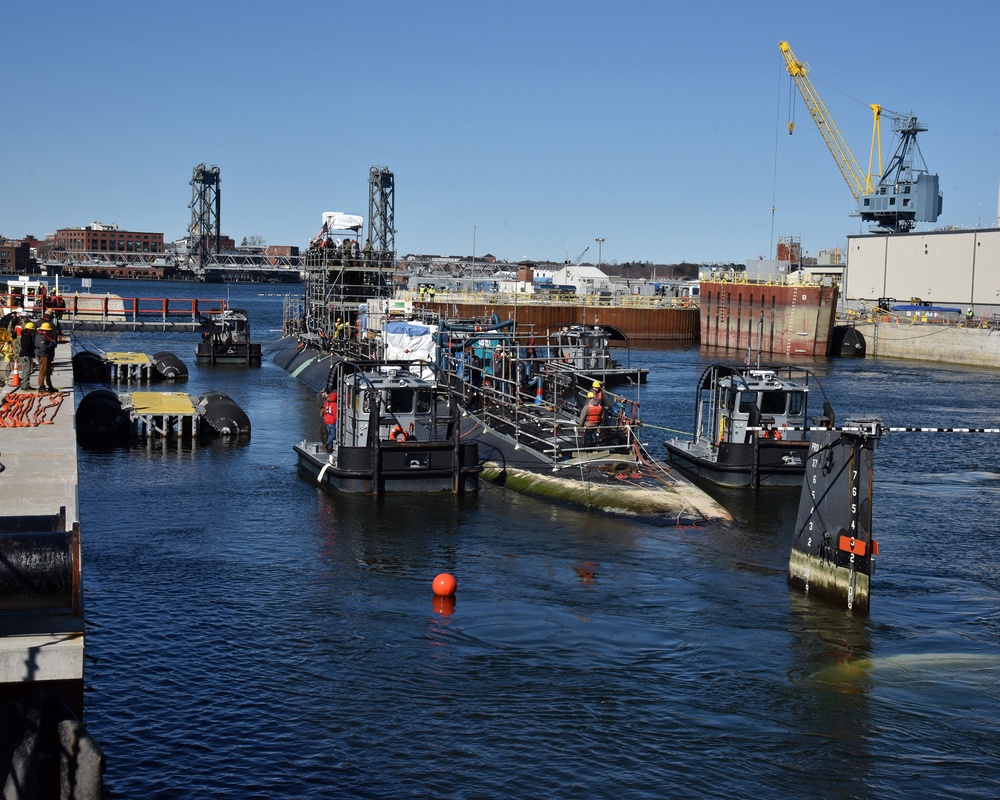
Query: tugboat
[
  {"x": 397, "y": 431},
  {"x": 225, "y": 339},
  {"x": 748, "y": 427},
  {"x": 587, "y": 350}
]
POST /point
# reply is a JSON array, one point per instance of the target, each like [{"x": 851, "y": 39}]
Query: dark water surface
[{"x": 250, "y": 636}]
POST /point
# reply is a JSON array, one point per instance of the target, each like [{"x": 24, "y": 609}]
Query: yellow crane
[
  {"x": 875, "y": 192},
  {"x": 860, "y": 183}
]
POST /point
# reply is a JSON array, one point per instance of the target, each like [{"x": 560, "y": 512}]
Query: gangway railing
[{"x": 112, "y": 312}]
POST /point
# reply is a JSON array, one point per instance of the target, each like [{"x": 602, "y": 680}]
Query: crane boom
[
  {"x": 906, "y": 192},
  {"x": 858, "y": 183}
]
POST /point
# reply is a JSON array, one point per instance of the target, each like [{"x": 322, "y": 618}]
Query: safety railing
[
  {"x": 988, "y": 321},
  {"x": 138, "y": 309},
  {"x": 540, "y": 411}
]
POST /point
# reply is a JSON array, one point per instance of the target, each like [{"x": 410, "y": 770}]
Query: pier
[{"x": 41, "y": 599}]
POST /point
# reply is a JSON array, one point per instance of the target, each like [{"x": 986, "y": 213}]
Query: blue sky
[{"x": 535, "y": 126}]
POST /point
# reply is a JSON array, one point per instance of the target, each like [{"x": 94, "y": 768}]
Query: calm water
[{"x": 250, "y": 636}]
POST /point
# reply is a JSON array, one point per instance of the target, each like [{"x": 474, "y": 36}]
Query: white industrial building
[
  {"x": 586, "y": 279},
  {"x": 952, "y": 267}
]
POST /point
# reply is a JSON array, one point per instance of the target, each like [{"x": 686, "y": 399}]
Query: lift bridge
[
  {"x": 332, "y": 278},
  {"x": 200, "y": 258}
]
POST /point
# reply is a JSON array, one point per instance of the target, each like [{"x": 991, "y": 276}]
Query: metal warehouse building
[{"x": 941, "y": 267}]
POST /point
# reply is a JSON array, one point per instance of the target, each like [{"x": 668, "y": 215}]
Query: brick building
[
  {"x": 101, "y": 238},
  {"x": 15, "y": 257}
]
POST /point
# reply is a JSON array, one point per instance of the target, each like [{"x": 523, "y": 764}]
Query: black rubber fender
[
  {"x": 169, "y": 367},
  {"x": 89, "y": 367},
  {"x": 36, "y": 570},
  {"x": 221, "y": 414},
  {"x": 100, "y": 419}
]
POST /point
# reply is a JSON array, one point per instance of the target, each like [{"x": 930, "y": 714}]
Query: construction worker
[
  {"x": 598, "y": 392},
  {"x": 26, "y": 353},
  {"x": 330, "y": 419},
  {"x": 45, "y": 351},
  {"x": 591, "y": 417}
]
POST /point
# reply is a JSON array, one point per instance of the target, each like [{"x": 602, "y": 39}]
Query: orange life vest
[{"x": 594, "y": 414}]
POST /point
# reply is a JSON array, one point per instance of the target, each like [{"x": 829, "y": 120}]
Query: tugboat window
[
  {"x": 400, "y": 401},
  {"x": 425, "y": 397},
  {"x": 796, "y": 402},
  {"x": 773, "y": 403},
  {"x": 747, "y": 401}
]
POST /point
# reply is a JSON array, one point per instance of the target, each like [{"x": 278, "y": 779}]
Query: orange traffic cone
[{"x": 15, "y": 376}]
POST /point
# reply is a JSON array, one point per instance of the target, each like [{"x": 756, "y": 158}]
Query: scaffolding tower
[
  {"x": 342, "y": 275},
  {"x": 204, "y": 230},
  {"x": 381, "y": 209}
]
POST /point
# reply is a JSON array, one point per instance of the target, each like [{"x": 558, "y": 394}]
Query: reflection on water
[{"x": 250, "y": 636}]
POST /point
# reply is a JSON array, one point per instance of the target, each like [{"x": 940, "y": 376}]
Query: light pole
[{"x": 600, "y": 241}]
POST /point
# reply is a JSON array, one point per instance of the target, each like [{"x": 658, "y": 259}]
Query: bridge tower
[
  {"x": 204, "y": 230},
  {"x": 381, "y": 214}
]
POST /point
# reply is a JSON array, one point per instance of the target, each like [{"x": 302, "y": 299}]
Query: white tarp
[
  {"x": 339, "y": 221},
  {"x": 408, "y": 341}
]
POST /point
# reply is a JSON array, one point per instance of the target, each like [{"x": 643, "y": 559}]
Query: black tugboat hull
[
  {"x": 780, "y": 464},
  {"x": 244, "y": 355},
  {"x": 418, "y": 467}
]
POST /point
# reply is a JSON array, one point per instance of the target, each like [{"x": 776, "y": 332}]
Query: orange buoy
[{"x": 445, "y": 585}]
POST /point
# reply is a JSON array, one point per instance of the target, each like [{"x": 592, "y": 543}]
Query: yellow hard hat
[
  {"x": 597, "y": 384},
  {"x": 590, "y": 395},
  {"x": 45, "y": 326},
  {"x": 29, "y": 324}
]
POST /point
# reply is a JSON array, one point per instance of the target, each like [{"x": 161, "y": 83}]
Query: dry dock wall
[
  {"x": 797, "y": 319},
  {"x": 639, "y": 323},
  {"x": 947, "y": 344}
]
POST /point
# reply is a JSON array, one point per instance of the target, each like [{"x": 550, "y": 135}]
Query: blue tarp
[
  {"x": 407, "y": 329},
  {"x": 928, "y": 309}
]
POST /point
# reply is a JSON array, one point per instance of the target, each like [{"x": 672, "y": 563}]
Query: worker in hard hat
[
  {"x": 591, "y": 417},
  {"x": 26, "y": 353},
  {"x": 45, "y": 352}
]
